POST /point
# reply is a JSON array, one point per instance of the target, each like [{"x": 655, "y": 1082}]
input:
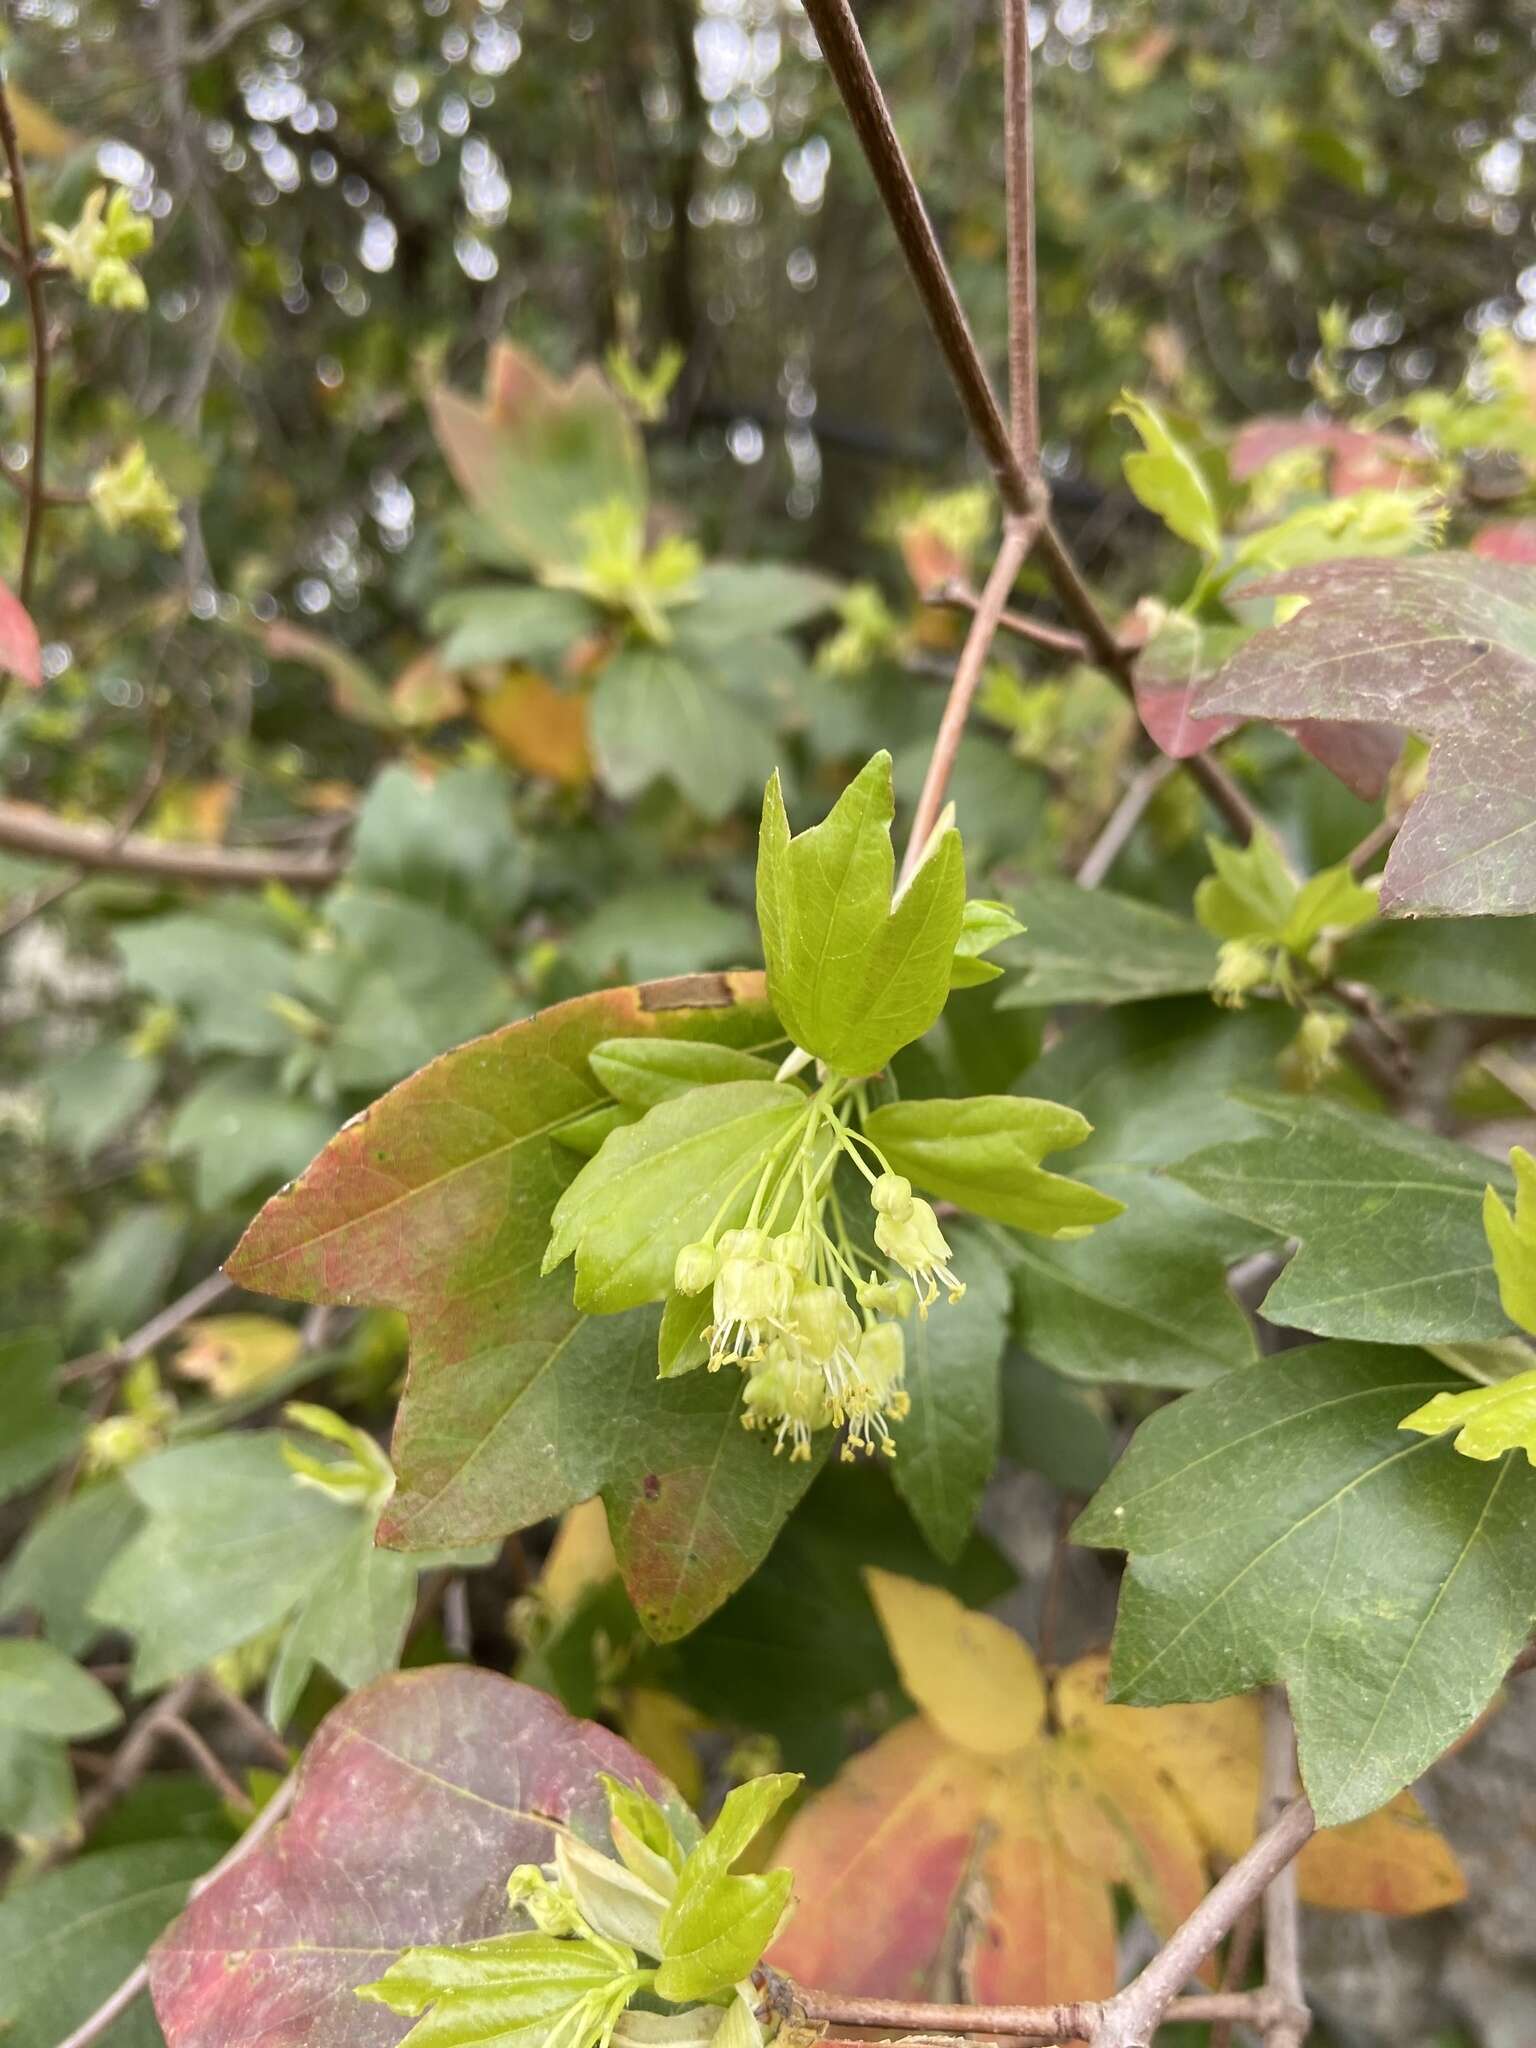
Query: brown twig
[
  {"x": 1018, "y": 538},
  {"x": 1282, "y": 1907},
  {"x": 1057, "y": 639},
  {"x": 32, "y": 282},
  {"x": 137, "y": 1981},
  {"x": 1074, "y": 2020},
  {"x": 257, "y": 1732},
  {"x": 197, "y": 1752},
  {"x": 50, "y": 893},
  {"x": 1123, "y": 820},
  {"x": 206, "y": 1294},
  {"x": 1380, "y": 836},
  {"x": 1235, "y": 1964},
  {"x": 26, "y": 829},
  {"x": 1132, "y": 2016},
  {"x": 1019, "y": 149},
  {"x": 135, "y": 1754}
]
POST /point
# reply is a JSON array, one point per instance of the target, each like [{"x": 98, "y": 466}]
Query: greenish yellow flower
[
  {"x": 916, "y": 1244},
  {"x": 130, "y": 494},
  {"x": 99, "y": 250}
]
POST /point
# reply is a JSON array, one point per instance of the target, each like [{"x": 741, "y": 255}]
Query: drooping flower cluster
[{"x": 815, "y": 1326}]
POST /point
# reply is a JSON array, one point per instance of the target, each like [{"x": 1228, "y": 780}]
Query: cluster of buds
[
  {"x": 819, "y": 1339},
  {"x": 99, "y": 251},
  {"x": 131, "y": 493}
]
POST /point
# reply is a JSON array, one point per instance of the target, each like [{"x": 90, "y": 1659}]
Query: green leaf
[
  {"x": 537, "y": 457},
  {"x": 1389, "y": 1220},
  {"x": 352, "y": 1623},
  {"x": 240, "y": 1131},
  {"x": 40, "y": 1430},
  {"x": 220, "y": 971},
  {"x": 111, "y": 1288},
  {"x": 852, "y": 978},
  {"x": 446, "y": 841},
  {"x": 949, "y": 1441},
  {"x": 1488, "y": 1421},
  {"x": 659, "y": 928},
  {"x": 262, "y": 1543},
  {"x": 1252, "y": 893},
  {"x": 1147, "y": 1302},
  {"x": 502, "y": 622},
  {"x": 1512, "y": 1241},
  {"x": 640, "y": 1072},
  {"x": 37, "y": 1795},
  {"x": 1283, "y": 1529},
  {"x": 717, "y": 1926},
  {"x": 438, "y": 1203},
  {"x": 1331, "y": 900},
  {"x": 59, "y": 1563},
  {"x": 984, "y": 1152},
  {"x": 660, "y": 1184},
  {"x": 1477, "y": 964},
  {"x": 566, "y": 1993},
  {"x": 1167, "y": 479},
  {"x": 741, "y": 600},
  {"x": 95, "y": 1095},
  {"x": 680, "y": 1345},
  {"x": 68, "y": 1939},
  {"x": 43, "y": 1692},
  {"x": 657, "y": 715},
  {"x": 984, "y": 925},
  {"x": 1050, "y": 1426},
  {"x": 1089, "y": 946}
]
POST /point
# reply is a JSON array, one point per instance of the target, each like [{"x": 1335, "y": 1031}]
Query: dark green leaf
[
  {"x": 1457, "y": 963},
  {"x": 40, "y": 1429},
  {"x": 1389, "y": 1220},
  {"x": 1283, "y": 1528},
  {"x": 1088, "y": 946},
  {"x": 948, "y": 1444},
  {"x": 656, "y": 716}
]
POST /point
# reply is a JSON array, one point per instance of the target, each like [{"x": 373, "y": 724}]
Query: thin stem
[
  {"x": 1282, "y": 1910},
  {"x": 1018, "y": 538},
  {"x": 1123, "y": 820},
  {"x": 1019, "y": 136},
  {"x": 843, "y": 47},
  {"x": 32, "y": 281},
  {"x": 137, "y": 1981},
  {"x": 1058, "y": 639},
  {"x": 206, "y": 1294},
  {"x": 24, "y": 828},
  {"x": 1376, "y": 841},
  {"x": 1075, "y": 2020},
  {"x": 1133, "y": 2015}
]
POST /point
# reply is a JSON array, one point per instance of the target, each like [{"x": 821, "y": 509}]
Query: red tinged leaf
[
  {"x": 415, "y": 1801},
  {"x": 21, "y": 651},
  {"x": 437, "y": 1202},
  {"x": 1444, "y": 646},
  {"x": 880, "y": 1861},
  {"x": 1507, "y": 540},
  {"x": 1353, "y": 459},
  {"x": 1045, "y": 1922}
]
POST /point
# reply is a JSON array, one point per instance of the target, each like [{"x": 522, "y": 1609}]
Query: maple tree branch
[
  {"x": 206, "y": 1294},
  {"x": 1123, "y": 820},
  {"x": 1282, "y": 1904},
  {"x": 1019, "y": 145},
  {"x": 1075, "y": 2020},
  {"x": 26, "y": 829},
  {"x": 1132, "y": 2016},
  {"x": 837, "y": 32},
  {"x": 32, "y": 283},
  {"x": 137, "y": 1980},
  {"x": 958, "y": 596},
  {"x": 1018, "y": 538}
]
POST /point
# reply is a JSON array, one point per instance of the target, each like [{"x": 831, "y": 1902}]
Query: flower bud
[
  {"x": 882, "y": 1359},
  {"x": 824, "y": 1322},
  {"x": 892, "y": 1196},
  {"x": 696, "y": 1267},
  {"x": 917, "y": 1245}
]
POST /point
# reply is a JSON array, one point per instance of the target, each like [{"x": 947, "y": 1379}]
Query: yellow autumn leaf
[
  {"x": 1488, "y": 1420},
  {"x": 974, "y": 1679},
  {"x": 659, "y": 1725},
  {"x": 233, "y": 1355},
  {"x": 36, "y": 129},
  {"x": 1208, "y": 1753},
  {"x": 538, "y": 728}
]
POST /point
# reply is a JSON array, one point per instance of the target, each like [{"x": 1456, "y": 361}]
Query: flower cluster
[
  {"x": 815, "y": 1327},
  {"x": 131, "y": 493},
  {"x": 100, "y": 249}
]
